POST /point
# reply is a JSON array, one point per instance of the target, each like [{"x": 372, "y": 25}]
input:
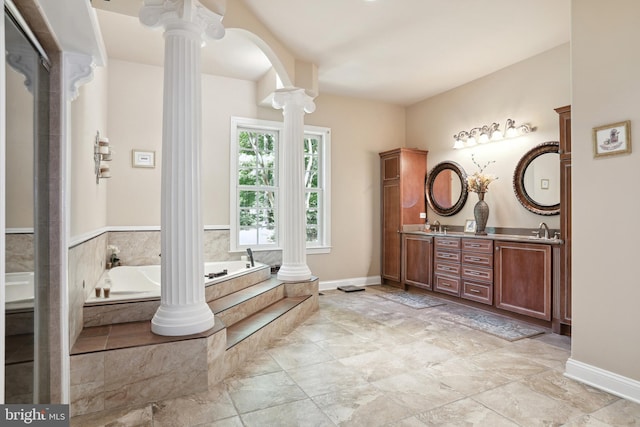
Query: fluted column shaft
[
  {"x": 183, "y": 309},
  {"x": 294, "y": 103}
]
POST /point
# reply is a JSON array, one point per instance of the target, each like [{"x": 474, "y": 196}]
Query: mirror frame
[
  {"x": 518, "y": 179},
  {"x": 464, "y": 193}
]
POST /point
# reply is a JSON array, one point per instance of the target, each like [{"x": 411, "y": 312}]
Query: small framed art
[
  {"x": 544, "y": 184},
  {"x": 609, "y": 140},
  {"x": 143, "y": 159},
  {"x": 470, "y": 226}
]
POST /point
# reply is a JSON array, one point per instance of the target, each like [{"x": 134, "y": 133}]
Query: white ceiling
[{"x": 399, "y": 51}]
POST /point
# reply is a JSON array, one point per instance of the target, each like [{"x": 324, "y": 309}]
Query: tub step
[
  {"x": 232, "y": 285},
  {"x": 252, "y": 324},
  {"x": 245, "y": 302}
]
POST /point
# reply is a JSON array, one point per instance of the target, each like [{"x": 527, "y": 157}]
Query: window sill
[
  {"x": 319, "y": 250},
  {"x": 310, "y": 251}
]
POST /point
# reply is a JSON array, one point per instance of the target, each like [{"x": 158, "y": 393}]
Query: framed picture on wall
[
  {"x": 544, "y": 184},
  {"x": 143, "y": 159},
  {"x": 612, "y": 139}
]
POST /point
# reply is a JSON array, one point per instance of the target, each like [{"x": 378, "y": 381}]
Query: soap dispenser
[{"x": 427, "y": 226}]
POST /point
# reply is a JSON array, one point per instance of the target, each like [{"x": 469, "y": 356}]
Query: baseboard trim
[
  {"x": 328, "y": 285},
  {"x": 610, "y": 382}
]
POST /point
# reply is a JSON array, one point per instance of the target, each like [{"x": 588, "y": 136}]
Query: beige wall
[
  {"x": 360, "y": 129},
  {"x": 606, "y": 66},
  {"x": 88, "y": 115},
  {"x": 527, "y": 92},
  {"x": 135, "y": 122}
]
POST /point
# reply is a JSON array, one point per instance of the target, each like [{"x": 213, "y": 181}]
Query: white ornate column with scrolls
[
  {"x": 183, "y": 309},
  {"x": 294, "y": 103}
]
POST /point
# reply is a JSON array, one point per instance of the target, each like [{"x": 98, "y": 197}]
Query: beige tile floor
[{"x": 362, "y": 360}]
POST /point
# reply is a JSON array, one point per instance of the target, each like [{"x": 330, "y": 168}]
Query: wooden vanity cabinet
[
  {"x": 402, "y": 172},
  {"x": 477, "y": 270},
  {"x": 522, "y": 278},
  {"x": 447, "y": 266},
  {"x": 417, "y": 260}
]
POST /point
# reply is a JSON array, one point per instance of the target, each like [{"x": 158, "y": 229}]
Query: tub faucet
[
  {"x": 250, "y": 253},
  {"x": 546, "y": 229}
]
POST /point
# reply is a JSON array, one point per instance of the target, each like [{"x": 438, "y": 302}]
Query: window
[{"x": 255, "y": 192}]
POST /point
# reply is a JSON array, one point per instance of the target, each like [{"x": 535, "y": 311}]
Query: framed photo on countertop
[{"x": 470, "y": 226}]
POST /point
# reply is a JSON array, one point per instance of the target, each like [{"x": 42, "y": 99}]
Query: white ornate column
[
  {"x": 294, "y": 103},
  {"x": 183, "y": 309}
]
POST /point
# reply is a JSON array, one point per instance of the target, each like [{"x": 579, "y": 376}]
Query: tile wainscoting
[{"x": 87, "y": 261}]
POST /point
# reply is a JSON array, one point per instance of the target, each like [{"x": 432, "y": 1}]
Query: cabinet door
[
  {"x": 523, "y": 278},
  {"x": 417, "y": 257},
  {"x": 391, "y": 167},
  {"x": 391, "y": 231}
]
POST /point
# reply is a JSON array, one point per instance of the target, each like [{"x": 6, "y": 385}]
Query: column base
[
  {"x": 180, "y": 320},
  {"x": 294, "y": 273}
]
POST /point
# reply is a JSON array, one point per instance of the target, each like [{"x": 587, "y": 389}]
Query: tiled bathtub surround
[
  {"x": 107, "y": 314},
  {"x": 123, "y": 376},
  {"x": 86, "y": 265},
  {"x": 19, "y": 252},
  {"x": 143, "y": 248}
]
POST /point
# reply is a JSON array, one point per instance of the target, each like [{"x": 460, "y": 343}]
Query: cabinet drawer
[
  {"x": 445, "y": 255},
  {"x": 477, "y": 273},
  {"x": 477, "y": 292},
  {"x": 447, "y": 268},
  {"x": 477, "y": 245},
  {"x": 481, "y": 259},
  {"x": 450, "y": 285},
  {"x": 447, "y": 242}
]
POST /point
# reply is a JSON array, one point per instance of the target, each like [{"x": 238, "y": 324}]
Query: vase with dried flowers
[{"x": 479, "y": 183}]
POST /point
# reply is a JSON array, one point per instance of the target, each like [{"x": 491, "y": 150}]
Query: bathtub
[
  {"x": 143, "y": 282},
  {"x": 19, "y": 290}
]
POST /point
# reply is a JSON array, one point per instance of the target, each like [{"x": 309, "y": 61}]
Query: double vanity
[
  {"x": 523, "y": 273},
  {"x": 510, "y": 273}
]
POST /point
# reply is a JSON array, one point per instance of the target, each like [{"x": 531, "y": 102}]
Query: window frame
[{"x": 323, "y": 244}]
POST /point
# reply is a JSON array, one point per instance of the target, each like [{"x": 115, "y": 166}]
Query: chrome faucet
[
  {"x": 546, "y": 229},
  {"x": 250, "y": 253},
  {"x": 436, "y": 227}
]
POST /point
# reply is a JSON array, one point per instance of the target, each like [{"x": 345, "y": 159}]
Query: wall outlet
[{"x": 423, "y": 215}]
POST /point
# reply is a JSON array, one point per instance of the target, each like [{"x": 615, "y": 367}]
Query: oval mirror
[
  {"x": 536, "y": 180},
  {"x": 446, "y": 189}
]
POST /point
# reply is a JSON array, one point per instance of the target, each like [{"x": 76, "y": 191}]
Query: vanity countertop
[{"x": 507, "y": 237}]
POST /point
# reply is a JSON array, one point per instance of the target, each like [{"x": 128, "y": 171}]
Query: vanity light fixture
[{"x": 487, "y": 133}]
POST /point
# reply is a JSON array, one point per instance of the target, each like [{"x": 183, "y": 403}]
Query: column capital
[
  {"x": 188, "y": 15},
  {"x": 293, "y": 96},
  {"x": 77, "y": 70},
  {"x": 25, "y": 61}
]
